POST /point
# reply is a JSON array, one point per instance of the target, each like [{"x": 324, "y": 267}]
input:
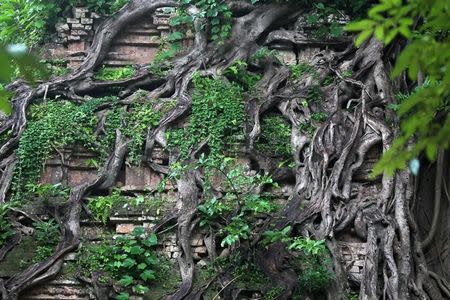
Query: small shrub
[
  {"x": 109, "y": 73},
  {"x": 298, "y": 70},
  {"x": 275, "y": 137},
  {"x": 6, "y": 230},
  {"x": 101, "y": 206},
  {"x": 315, "y": 264},
  {"x": 129, "y": 260},
  {"x": 46, "y": 235}
]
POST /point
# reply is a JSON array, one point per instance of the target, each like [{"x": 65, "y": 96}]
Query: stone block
[
  {"x": 200, "y": 250},
  {"x": 160, "y": 20},
  {"x": 197, "y": 240},
  {"x": 95, "y": 15},
  {"x": 88, "y": 27},
  {"x": 124, "y": 228},
  {"x": 73, "y": 38},
  {"x": 72, "y": 20},
  {"x": 80, "y": 12},
  {"x": 92, "y": 232},
  {"x": 77, "y": 177},
  {"x": 86, "y": 21},
  {"x": 77, "y": 26},
  {"x": 74, "y": 47},
  {"x": 78, "y": 32},
  {"x": 140, "y": 178},
  {"x": 288, "y": 57},
  {"x": 62, "y": 27}
]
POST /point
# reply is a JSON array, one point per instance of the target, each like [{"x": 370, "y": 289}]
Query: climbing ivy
[
  {"x": 53, "y": 125},
  {"x": 139, "y": 120},
  {"x": 275, "y": 137},
  {"x": 217, "y": 115}
]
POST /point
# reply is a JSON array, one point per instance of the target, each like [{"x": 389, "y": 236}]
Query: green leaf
[
  {"x": 142, "y": 266},
  {"x": 123, "y": 296},
  {"x": 364, "y": 35},
  {"x": 147, "y": 275},
  {"x": 363, "y": 25},
  {"x": 126, "y": 280},
  {"x": 138, "y": 231}
]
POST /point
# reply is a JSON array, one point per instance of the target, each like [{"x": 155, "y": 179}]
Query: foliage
[
  {"x": 425, "y": 114},
  {"x": 273, "y": 236},
  {"x": 307, "y": 128},
  {"x": 298, "y": 70},
  {"x": 214, "y": 12},
  {"x": 273, "y": 293},
  {"x": 103, "y": 7},
  {"x": 56, "y": 67},
  {"x": 6, "y": 230},
  {"x": 315, "y": 264},
  {"x": 275, "y": 137},
  {"x": 101, "y": 206},
  {"x": 53, "y": 125},
  {"x": 242, "y": 193},
  {"x": 46, "y": 235},
  {"x": 15, "y": 61},
  {"x": 319, "y": 116},
  {"x": 139, "y": 120},
  {"x": 217, "y": 115},
  {"x": 129, "y": 259},
  {"x": 264, "y": 53},
  {"x": 238, "y": 73},
  {"x": 110, "y": 73},
  {"x": 324, "y": 17},
  {"x": 26, "y": 21},
  {"x": 47, "y": 190}
]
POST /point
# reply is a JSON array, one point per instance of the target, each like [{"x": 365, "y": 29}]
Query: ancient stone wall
[{"x": 137, "y": 44}]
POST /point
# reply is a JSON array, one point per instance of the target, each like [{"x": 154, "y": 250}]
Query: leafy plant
[
  {"x": 138, "y": 121},
  {"x": 26, "y": 21},
  {"x": 46, "y": 190},
  {"x": 238, "y": 73},
  {"x": 217, "y": 115},
  {"x": 319, "y": 116},
  {"x": 53, "y": 125},
  {"x": 5, "y": 226},
  {"x": 271, "y": 237},
  {"x": 298, "y": 70},
  {"x": 215, "y": 13},
  {"x": 129, "y": 260},
  {"x": 110, "y": 73},
  {"x": 315, "y": 264},
  {"x": 46, "y": 235},
  {"x": 275, "y": 137},
  {"x": 101, "y": 206},
  {"x": 218, "y": 212}
]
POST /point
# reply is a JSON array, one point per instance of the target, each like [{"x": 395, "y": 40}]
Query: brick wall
[{"x": 136, "y": 44}]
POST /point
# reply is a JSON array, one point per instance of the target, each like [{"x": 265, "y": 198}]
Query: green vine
[
  {"x": 217, "y": 116},
  {"x": 53, "y": 125},
  {"x": 275, "y": 138}
]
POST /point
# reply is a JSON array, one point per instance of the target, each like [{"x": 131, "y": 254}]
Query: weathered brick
[
  {"x": 72, "y": 20},
  {"x": 124, "y": 228},
  {"x": 87, "y": 21}
]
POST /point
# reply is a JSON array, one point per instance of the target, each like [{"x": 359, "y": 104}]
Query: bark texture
[{"x": 327, "y": 201}]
